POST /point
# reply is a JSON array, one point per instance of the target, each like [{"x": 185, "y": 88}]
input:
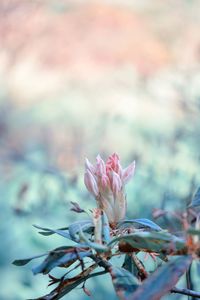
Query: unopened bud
[{"x": 90, "y": 183}]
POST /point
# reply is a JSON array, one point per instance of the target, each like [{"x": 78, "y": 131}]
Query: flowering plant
[{"x": 109, "y": 233}]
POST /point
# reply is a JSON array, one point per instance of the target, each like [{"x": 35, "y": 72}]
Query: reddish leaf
[{"x": 76, "y": 208}]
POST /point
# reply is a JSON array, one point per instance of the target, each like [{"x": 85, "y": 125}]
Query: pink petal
[
  {"x": 119, "y": 169},
  {"x": 89, "y": 166},
  {"x": 128, "y": 173},
  {"x": 91, "y": 183},
  {"x": 113, "y": 164},
  {"x": 100, "y": 167},
  {"x": 105, "y": 181},
  {"x": 116, "y": 183},
  {"x": 113, "y": 159}
]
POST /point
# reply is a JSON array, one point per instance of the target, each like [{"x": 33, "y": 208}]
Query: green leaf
[
  {"x": 162, "y": 280},
  {"x": 74, "y": 228},
  {"x": 124, "y": 282},
  {"x": 23, "y": 262},
  {"x": 196, "y": 199},
  {"x": 152, "y": 241},
  {"x": 48, "y": 231},
  {"x": 97, "y": 247},
  {"x": 142, "y": 223},
  {"x": 60, "y": 257}
]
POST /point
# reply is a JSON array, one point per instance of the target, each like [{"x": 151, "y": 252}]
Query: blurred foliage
[{"x": 56, "y": 108}]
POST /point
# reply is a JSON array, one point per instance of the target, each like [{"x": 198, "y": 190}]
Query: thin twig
[
  {"x": 97, "y": 274},
  {"x": 142, "y": 272},
  {"x": 186, "y": 292},
  {"x": 101, "y": 262},
  {"x": 190, "y": 285}
]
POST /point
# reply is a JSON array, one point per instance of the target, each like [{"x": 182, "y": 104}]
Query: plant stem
[
  {"x": 190, "y": 285},
  {"x": 186, "y": 292}
]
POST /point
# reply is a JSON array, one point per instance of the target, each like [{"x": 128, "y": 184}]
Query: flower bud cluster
[{"x": 106, "y": 181}]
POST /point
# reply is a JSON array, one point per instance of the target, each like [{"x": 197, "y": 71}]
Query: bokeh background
[{"x": 78, "y": 78}]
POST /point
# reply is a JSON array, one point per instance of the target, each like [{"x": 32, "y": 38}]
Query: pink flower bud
[
  {"x": 128, "y": 172},
  {"x": 107, "y": 183},
  {"x": 89, "y": 166},
  {"x": 100, "y": 167},
  {"x": 91, "y": 183},
  {"x": 116, "y": 183}
]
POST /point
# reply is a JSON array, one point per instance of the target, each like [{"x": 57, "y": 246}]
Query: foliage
[{"x": 95, "y": 242}]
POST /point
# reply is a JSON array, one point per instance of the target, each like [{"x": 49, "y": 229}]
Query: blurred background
[{"x": 78, "y": 78}]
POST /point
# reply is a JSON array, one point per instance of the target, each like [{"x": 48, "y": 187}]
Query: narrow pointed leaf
[
  {"x": 23, "y": 262},
  {"x": 74, "y": 228},
  {"x": 48, "y": 231},
  {"x": 142, "y": 223},
  {"x": 162, "y": 280},
  {"x": 59, "y": 258},
  {"x": 76, "y": 207},
  {"x": 97, "y": 247}
]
